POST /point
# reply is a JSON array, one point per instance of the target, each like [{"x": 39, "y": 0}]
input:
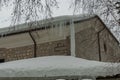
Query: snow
[
  {"x": 52, "y": 66},
  {"x": 53, "y": 21},
  {"x": 86, "y": 79}
]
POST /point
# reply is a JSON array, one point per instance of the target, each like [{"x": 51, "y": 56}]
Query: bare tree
[
  {"x": 108, "y": 10},
  {"x": 30, "y": 10},
  {"x": 101, "y": 7}
]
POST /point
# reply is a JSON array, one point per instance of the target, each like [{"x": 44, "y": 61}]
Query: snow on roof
[
  {"x": 52, "y": 66},
  {"x": 54, "y": 20}
]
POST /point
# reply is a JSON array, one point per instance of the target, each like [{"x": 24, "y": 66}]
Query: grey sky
[{"x": 5, "y": 13}]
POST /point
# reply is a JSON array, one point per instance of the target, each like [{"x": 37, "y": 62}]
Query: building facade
[{"x": 93, "y": 40}]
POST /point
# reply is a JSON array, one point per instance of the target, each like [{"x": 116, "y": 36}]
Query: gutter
[
  {"x": 41, "y": 28},
  {"x": 35, "y": 44}
]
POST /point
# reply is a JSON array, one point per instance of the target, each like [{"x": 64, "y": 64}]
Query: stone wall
[
  {"x": 87, "y": 40},
  {"x": 49, "y": 42},
  {"x": 87, "y": 44},
  {"x": 21, "y": 46},
  {"x": 20, "y": 53},
  {"x": 15, "y": 47},
  {"x": 17, "y": 40},
  {"x": 109, "y": 47},
  {"x": 97, "y": 43},
  {"x": 3, "y": 54},
  {"x": 60, "y": 47}
]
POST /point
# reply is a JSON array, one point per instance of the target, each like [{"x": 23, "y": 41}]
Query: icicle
[
  {"x": 63, "y": 29},
  {"x": 2, "y": 35},
  {"x": 52, "y": 29},
  {"x": 56, "y": 29},
  {"x": 60, "y": 29},
  {"x": 87, "y": 78},
  {"x": 72, "y": 38}
]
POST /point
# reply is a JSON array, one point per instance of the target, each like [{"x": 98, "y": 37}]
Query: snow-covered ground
[{"x": 51, "y": 66}]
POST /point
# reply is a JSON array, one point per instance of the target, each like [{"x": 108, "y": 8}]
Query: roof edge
[{"x": 108, "y": 29}]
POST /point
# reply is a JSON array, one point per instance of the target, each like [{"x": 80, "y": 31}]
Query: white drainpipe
[{"x": 72, "y": 38}]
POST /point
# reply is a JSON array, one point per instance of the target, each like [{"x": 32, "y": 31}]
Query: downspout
[
  {"x": 35, "y": 44},
  {"x": 98, "y": 35},
  {"x": 99, "y": 46},
  {"x": 72, "y": 38}
]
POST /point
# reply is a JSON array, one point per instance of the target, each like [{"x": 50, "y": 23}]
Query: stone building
[{"x": 93, "y": 40}]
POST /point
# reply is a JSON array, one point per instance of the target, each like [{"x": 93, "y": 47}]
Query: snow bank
[{"x": 57, "y": 66}]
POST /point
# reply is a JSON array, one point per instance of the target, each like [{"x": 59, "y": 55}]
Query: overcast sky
[{"x": 5, "y": 13}]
